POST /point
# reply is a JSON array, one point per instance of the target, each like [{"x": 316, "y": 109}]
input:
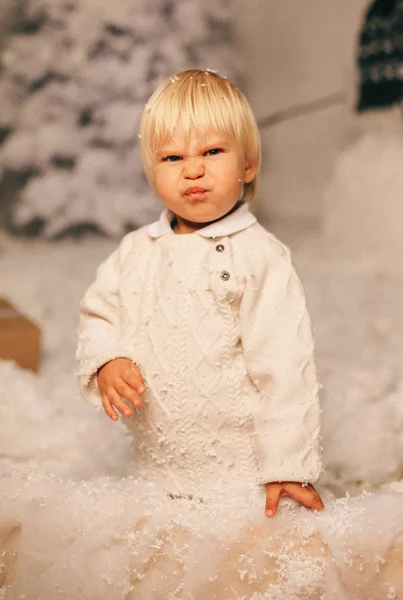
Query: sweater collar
[{"x": 240, "y": 219}]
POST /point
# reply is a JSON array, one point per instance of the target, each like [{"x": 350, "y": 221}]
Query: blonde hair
[{"x": 205, "y": 101}]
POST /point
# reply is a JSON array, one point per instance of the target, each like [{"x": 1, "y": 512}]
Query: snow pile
[{"x": 42, "y": 428}]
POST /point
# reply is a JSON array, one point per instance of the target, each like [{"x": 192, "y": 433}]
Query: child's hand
[
  {"x": 120, "y": 377},
  {"x": 306, "y": 494}
]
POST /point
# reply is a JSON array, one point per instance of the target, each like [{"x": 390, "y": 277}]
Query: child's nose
[{"x": 194, "y": 168}]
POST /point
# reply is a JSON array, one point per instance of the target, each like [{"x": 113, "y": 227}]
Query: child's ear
[{"x": 250, "y": 172}]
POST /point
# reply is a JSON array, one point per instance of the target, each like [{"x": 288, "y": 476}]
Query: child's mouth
[{"x": 195, "y": 192}]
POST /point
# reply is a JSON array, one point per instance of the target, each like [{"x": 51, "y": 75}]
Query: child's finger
[
  {"x": 133, "y": 381},
  {"x": 109, "y": 409},
  {"x": 128, "y": 392},
  {"x": 307, "y": 495},
  {"x": 134, "y": 378},
  {"x": 117, "y": 402},
  {"x": 273, "y": 492},
  {"x": 136, "y": 369}
]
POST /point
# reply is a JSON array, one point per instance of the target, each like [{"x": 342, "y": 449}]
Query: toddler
[{"x": 196, "y": 327}]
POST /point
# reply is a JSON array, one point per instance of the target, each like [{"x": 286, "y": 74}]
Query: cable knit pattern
[
  {"x": 279, "y": 352},
  {"x": 219, "y": 328}
]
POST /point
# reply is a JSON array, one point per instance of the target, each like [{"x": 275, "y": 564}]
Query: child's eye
[
  {"x": 171, "y": 158},
  {"x": 213, "y": 151}
]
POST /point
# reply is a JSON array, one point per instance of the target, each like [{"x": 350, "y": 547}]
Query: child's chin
[{"x": 201, "y": 218}]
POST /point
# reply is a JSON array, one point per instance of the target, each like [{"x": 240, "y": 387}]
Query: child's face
[{"x": 200, "y": 178}]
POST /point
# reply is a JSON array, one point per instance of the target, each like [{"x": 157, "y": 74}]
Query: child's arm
[
  {"x": 278, "y": 349},
  {"x": 98, "y": 331}
]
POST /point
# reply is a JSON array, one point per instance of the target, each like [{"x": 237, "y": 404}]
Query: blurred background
[
  {"x": 325, "y": 82},
  {"x": 73, "y": 72}
]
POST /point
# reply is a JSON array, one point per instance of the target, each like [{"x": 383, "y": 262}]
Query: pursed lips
[{"x": 195, "y": 191}]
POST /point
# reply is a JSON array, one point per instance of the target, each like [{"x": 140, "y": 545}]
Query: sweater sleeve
[
  {"x": 279, "y": 353},
  {"x": 98, "y": 329}
]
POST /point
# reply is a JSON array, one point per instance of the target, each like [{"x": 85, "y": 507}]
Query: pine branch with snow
[{"x": 74, "y": 80}]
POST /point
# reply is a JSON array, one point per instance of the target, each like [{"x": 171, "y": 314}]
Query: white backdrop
[{"x": 297, "y": 52}]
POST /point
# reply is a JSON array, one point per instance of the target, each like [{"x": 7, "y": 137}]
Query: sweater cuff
[{"x": 309, "y": 472}]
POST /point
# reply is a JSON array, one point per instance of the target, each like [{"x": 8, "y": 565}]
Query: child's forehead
[{"x": 196, "y": 136}]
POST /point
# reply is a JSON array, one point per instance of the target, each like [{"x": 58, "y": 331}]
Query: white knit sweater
[{"x": 217, "y": 322}]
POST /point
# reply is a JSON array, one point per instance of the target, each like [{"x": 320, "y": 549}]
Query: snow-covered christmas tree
[{"x": 74, "y": 78}]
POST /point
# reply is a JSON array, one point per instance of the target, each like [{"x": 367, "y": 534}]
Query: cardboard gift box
[{"x": 20, "y": 338}]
